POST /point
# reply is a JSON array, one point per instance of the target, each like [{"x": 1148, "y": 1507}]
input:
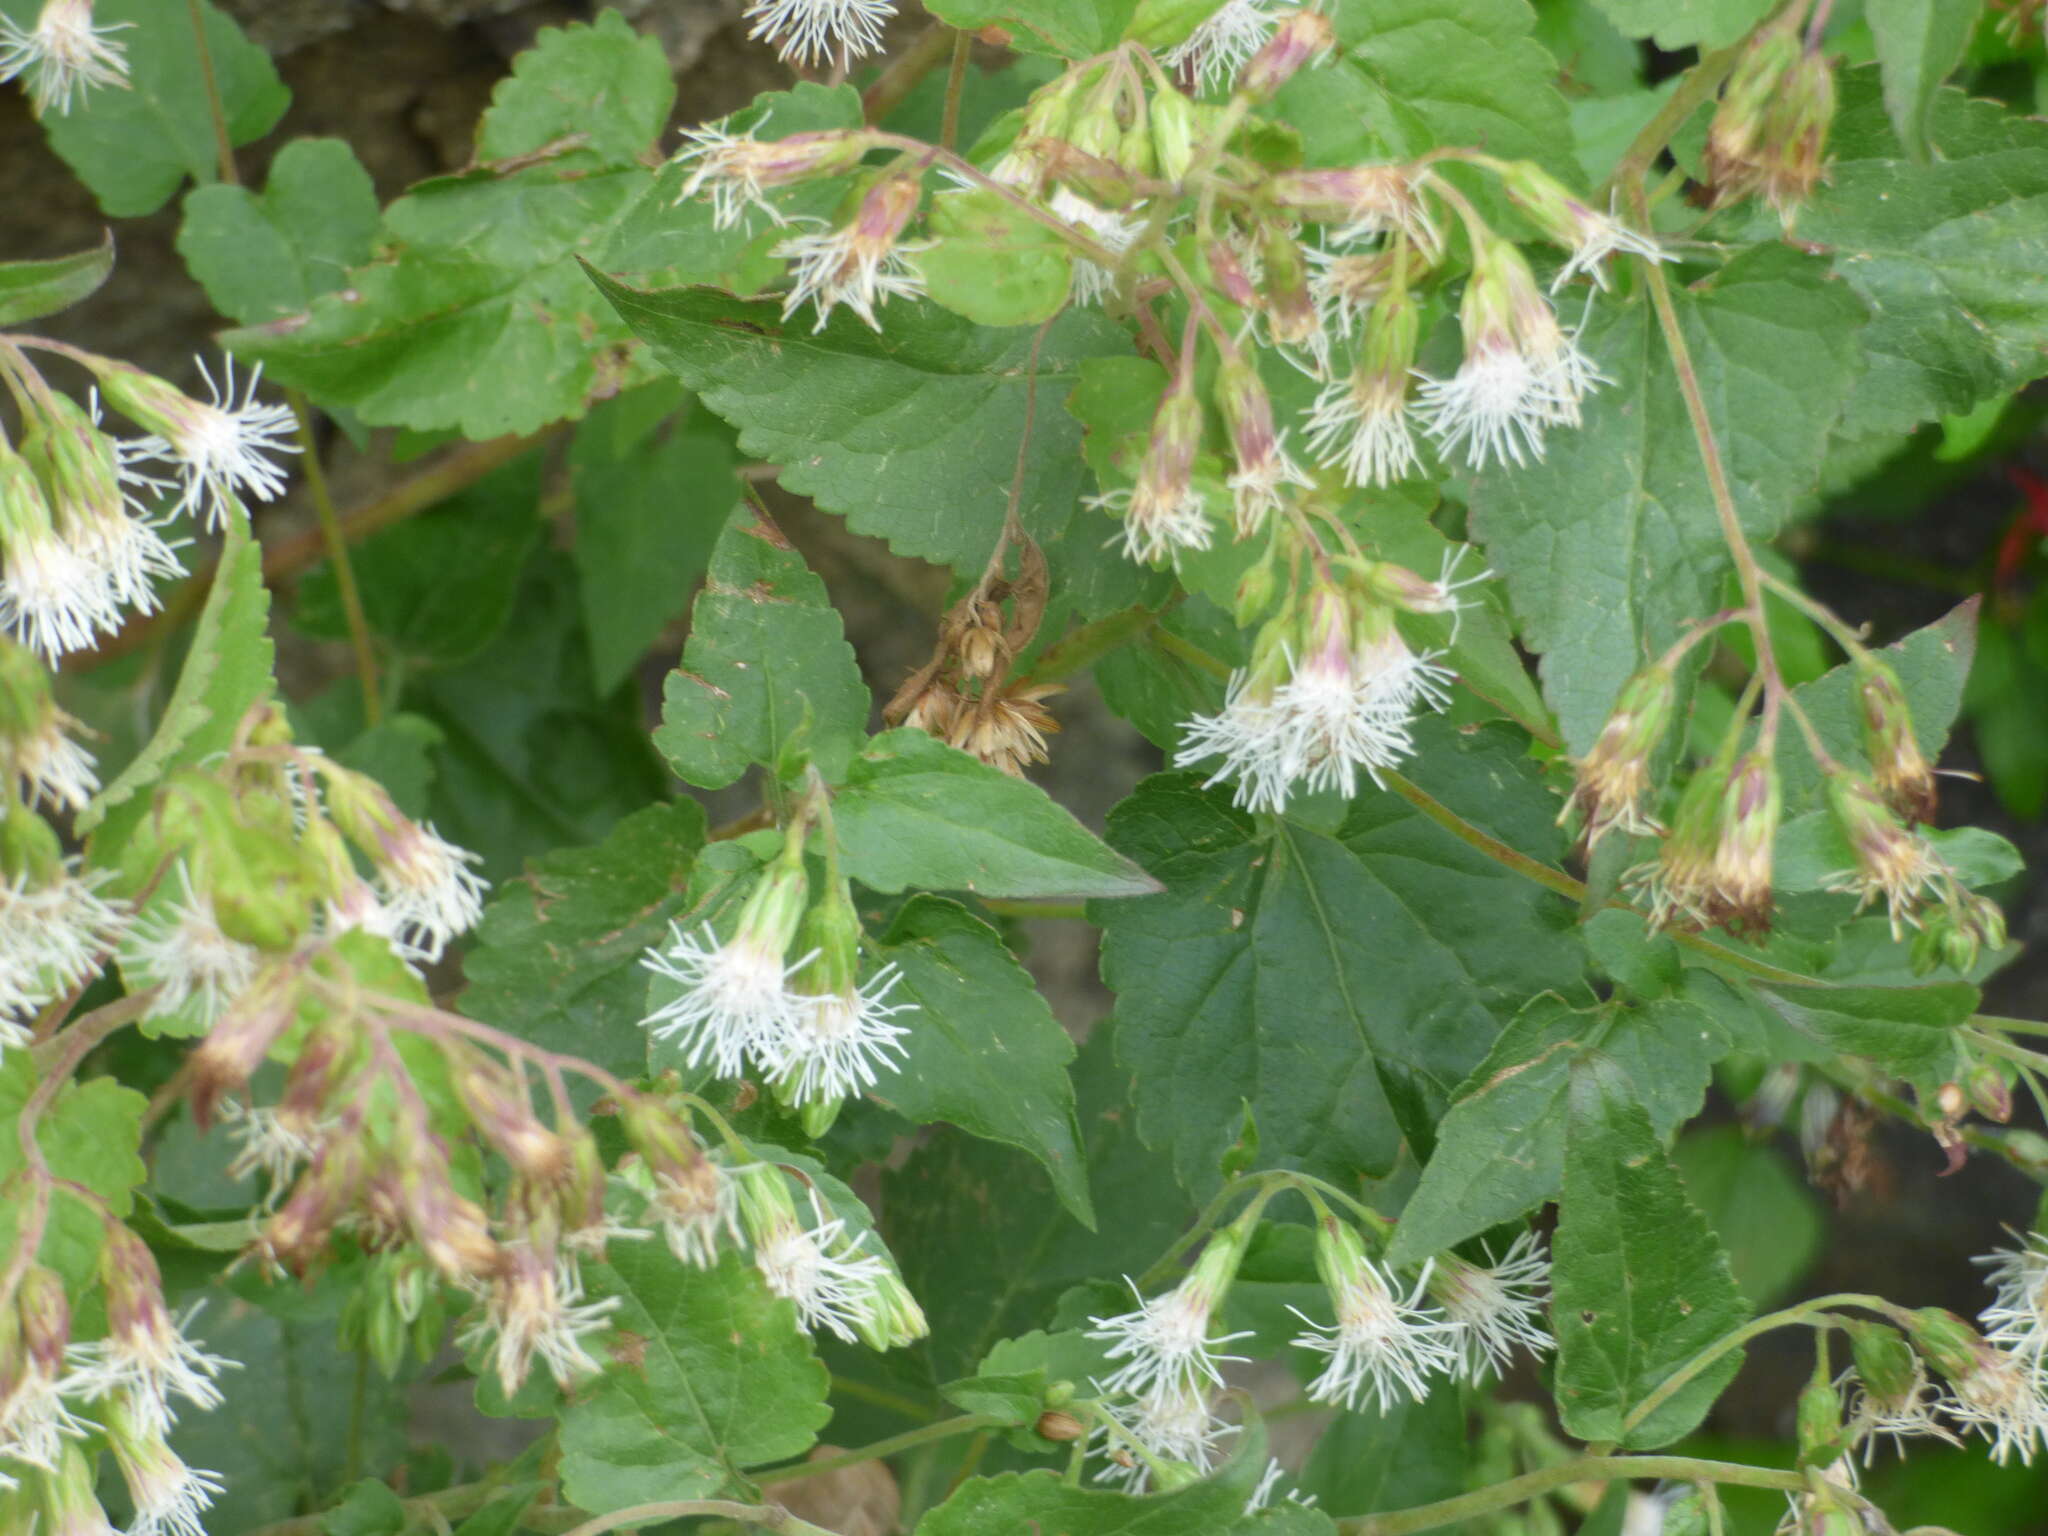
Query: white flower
[
  {"x": 181, "y": 951},
  {"x": 2017, "y": 1318},
  {"x": 13, "y": 1034},
  {"x": 1509, "y": 390},
  {"x": 1114, "y": 231},
  {"x": 736, "y": 997},
  {"x": 1600, "y": 235},
  {"x": 53, "y": 936},
  {"x": 169, "y": 1496},
  {"x": 1911, "y": 1417},
  {"x": 1223, "y": 44},
  {"x": 839, "y": 267},
  {"x": 148, "y": 1360},
  {"x": 1172, "y": 1422},
  {"x": 220, "y": 447},
  {"x": 834, "y": 1045},
  {"x": 34, "y": 1421},
  {"x": 64, "y": 54},
  {"x": 729, "y": 163},
  {"x": 46, "y": 765},
  {"x": 535, "y": 1309},
  {"x": 54, "y": 597},
  {"x": 428, "y": 891},
  {"x": 698, "y": 1212},
  {"x": 1383, "y": 1347},
  {"x": 271, "y": 1144},
  {"x": 2002, "y": 1400},
  {"x": 1159, "y": 523},
  {"x": 1165, "y": 1343},
  {"x": 1496, "y": 1308},
  {"x": 812, "y": 32},
  {"x": 830, "y": 1279},
  {"x": 1359, "y": 424},
  {"x": 1253, "y": 737}
]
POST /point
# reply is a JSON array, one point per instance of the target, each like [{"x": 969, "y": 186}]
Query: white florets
[
  {"x": 813, "y": 32},
  {"x": 837, "y": 1044},
  {"x": 221, "y": 447},
  {"x": 736, "y": 998},
  {"x": 64, "y": 54},
  {"x": 1384, "y": 1347}
]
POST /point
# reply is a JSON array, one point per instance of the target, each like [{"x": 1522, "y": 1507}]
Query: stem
[
  {"x": 223, "y": 141},
  {"x": 1698, "y": 86},
  {"x": 880, "y": 1397},
  {"x": 1082, "y": 648},
  {"x": 337, "y": 556},
  {"x": 1044, "y": 910},
  {"x": 1820, "y": 613},
  {"x": 901, "y": 77},
  {"x": 945, "y": 1429},
  {"x": 956, "y": 84},
  {"x": 1535, "y": 869},
  {"x": 1518, "y": 1490}
]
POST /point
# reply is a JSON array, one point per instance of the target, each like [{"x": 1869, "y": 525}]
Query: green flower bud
[
  {"x": 1171, "y": 118},
  {"x": 1614, "y": 775},
  {"x": 1899, "y": 768},
  {"x": 1821, "y": 1439},
  {"x": 1884, "y": 1362}
]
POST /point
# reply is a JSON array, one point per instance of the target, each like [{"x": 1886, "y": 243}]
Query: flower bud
[
  {"x": 1227, "y": 272},
  {"x": 1165, "y": 513},
  {"x": 1884, "y": 1362},
  {"x": 1740, "y": 897},
  {"x": 739, "y": 169},
  {"x": 1171, "y": 116},
  {"x": 1261, "y": 458},
  {"x": 450, "y": 1228},
  {"x": 1988, "y": 1091},
  {"x": 241, "y": 1041},
  {"x": 1255, "y": 592},
  {"x": 1945, "y": 1341},
  {"x": 1821, "y": 1438},
  {"x": 1302, "y": 38},
  {"x": 1099, "y": 177},
  {"x": 1614, "y": 774},
  {"x": 1770, "y": 129},
  {"x": 1890, "y": 861},
  {"x": 68, "y": 1504},
  {"x": 1058, "y": 1425},
  {"x": 892, "y": 1318},
  {"x": 1292, "y": 319},
  {"x": 1364, "y": 201},
  {"x": 295, "y": 1237},
  {"x": 1899, "y": 768},
  {"x": 504, "y": 1115}
]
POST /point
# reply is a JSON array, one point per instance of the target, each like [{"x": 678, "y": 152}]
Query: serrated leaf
[
  {"x": 1951, "y": 257},
  {"x": 1500, "y": 1150},
  {"x": 1368, "y": 1462},
  {"x": 1342, "y": 979},
  {"x": 987, "y": 1244},
  {"x": 991, "y": 264},
  {"x": 476, "y": 315},
  {"x": 1640, "y": 1285},
  {"x": 1676, "y": 24},
  {"x": 90, "y": 1133},
  {"x": 31, "y": 289},
  {"x": 1076, "y": 28},
  {"x": 1611, "y": 542},
  {"x": 227, "y": 671},
  {"x": 1918, "y": 43},
  {"x": 557, "y": 958},
  {"x": 135, "y": 146},
  {"x": 912, "y": 434},
  {"x": 1764, "y": 1212},
  {"x": 261, "y": 258},
  {"x": 649, "y": 506},
  {"x": 767, "y": 666},
  {"x": 708, "y": 1375},
  {"x": 439, "y": 587},
  {"x": 915, "y": 812},
  {"x": 1415, "y": 74},
  {"x": 984, "y": 1051},
  {"x": 1909, "y": 1031}
]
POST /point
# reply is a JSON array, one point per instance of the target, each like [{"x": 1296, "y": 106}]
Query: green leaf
[
  {"x": 984, "y": 1051},
  {"x": 262, "y": 258},
  {"x": 1611, "y": 541},
  {"x": 227, "y": 671},
  {"x": 1909, "y": 1031},
  {"x": 1343, "y": 980},
  {"x": 1676, "y": 24},
  {"x": 476, "y": 316},
  {"x": 31, "y": 289},
  {"x": 1765, "y": 1213},
  {"x": 1076, "y": 28},
  {"x": 1368, "y": 1462},
  {"x": 1640, "y": 1284},
  {"x": 557, "y": 957},
  {"x": 986, "y": 1242},
  {"x": 368, "y": 1509},
  {"x": 915, "y": 812},
  {"x": 709, "y": 1374},
  {"x": 1950, "y": 257},
  {"x": 912, "y": 434},
  {"x": 1415, "y": 74},
  {"x": 91, "y": 1133},
  {"x": 767, "y": 667},
  {"x": 651, "y": 497},
  {"x": 135, "y": 146},
  {"x": 1500, "y": 1150},
  {"x": 398, "y": 752},
  {"x": 1918, "y": 43},
  {"x": 992, "y": 264},
  {"x": 439, "y": 587}
]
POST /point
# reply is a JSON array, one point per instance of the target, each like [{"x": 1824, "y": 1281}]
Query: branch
[{"x": 1519, "y": 1490}]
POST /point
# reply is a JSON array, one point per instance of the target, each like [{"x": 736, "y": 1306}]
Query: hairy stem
[{"x": 945, "y": 1429}]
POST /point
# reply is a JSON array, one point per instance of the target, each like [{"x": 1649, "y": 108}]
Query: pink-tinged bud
[
  {"x": 325, "y": 1062},
  {"x": 241, "y": 1041},
  {"x": 1739, "y": 897},
  {"x": 738, "y": 170},
  {"x": 1292, "y": 319},
  {"x": 134, "y": 1288},
  {"x": 295, "y": 1237},
  {"x": 1165, "y": 514},
  {"x": 504, "y": 1115},
  {"x": 1228, "y": 274},
  {"x": 1302, "y": 38},
  {"x": 1614, "y": 775},
  {"x": 451, "y": 1229},
  {"x": 1891, "y": 862},
  {"x": 1364, "y": 201},
  {"x": 582, "y": 1191},
  {"x": 862, "y": 264},
  {"x": 1262, "y": 463},
  {"x": 1769, "y": 133},
  {"x": 45, "y": 1314},
  {"x": 1103, "y": 180},
  {"x": 1898, "y": 766},
  {"x": 1989, "y": 1092}
]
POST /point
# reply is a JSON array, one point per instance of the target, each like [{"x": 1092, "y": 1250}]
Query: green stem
[
  {"x": 1820, "y": 613},
  {"x": 956, "y": 86},
  {"x": 1082, "y": 648},
  {"x": 945, "y": 1429},
  {"x": 1698, "y": 86},
  {"x": 1805, "y": 1312},
  {"x": 337, "y": 556},
  {"x": 879, "y": 1397},
  {"x": 1519, "y": 1490},
  {"x": 223, "y": 141},
  {"x": 902, "y": 76}
]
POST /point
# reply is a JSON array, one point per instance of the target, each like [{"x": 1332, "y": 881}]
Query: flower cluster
[
  {"x": 784, "y": 991},
  {"x": 1769, "y": 132},
  {"x": 1332, "y": 686},
  {"x": 125, "y": 1387},
  {"x": 81, "y": 535}
]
